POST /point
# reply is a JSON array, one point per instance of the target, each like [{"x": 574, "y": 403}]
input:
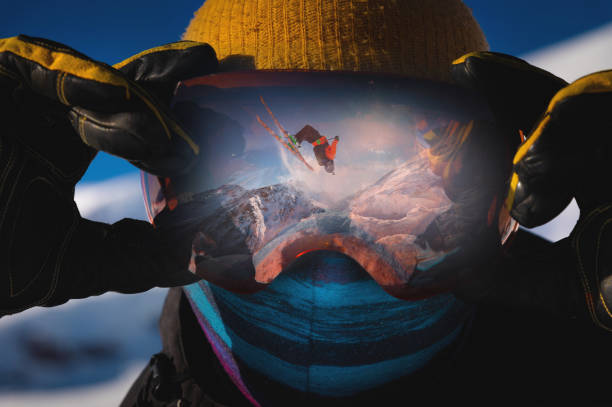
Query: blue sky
[{"x": 111, "y": 31}]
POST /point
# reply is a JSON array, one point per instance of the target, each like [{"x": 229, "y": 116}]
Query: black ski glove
[
  {"x": 57, "y": 108},
  {"x": 566, "y": 154}
]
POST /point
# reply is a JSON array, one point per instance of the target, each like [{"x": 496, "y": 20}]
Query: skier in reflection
[{"x": 324, "y": 152}]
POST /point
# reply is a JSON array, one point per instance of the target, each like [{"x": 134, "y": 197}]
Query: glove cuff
[{"x": 591, "y": 241}]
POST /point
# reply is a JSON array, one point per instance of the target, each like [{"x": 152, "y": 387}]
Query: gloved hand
[
  {"x": 566, "y": 154},
  {"x": 57, "y": 109}
]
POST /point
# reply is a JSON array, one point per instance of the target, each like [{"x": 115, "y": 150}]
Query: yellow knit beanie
[{"x": 412, "y": 37}]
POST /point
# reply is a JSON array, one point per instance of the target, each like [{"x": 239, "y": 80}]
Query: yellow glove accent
[{"x": 68, "y": 62}]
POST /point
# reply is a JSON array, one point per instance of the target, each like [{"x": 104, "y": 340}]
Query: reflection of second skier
[{"x": 324, "y": 152}]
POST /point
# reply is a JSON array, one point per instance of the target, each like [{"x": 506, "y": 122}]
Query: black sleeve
[{"x": 535, "y": 274}]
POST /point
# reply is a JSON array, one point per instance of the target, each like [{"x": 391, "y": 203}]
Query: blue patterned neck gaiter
[{"x": 323, "y": 327}]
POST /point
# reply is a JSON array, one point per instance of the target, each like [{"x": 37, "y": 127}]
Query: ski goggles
[{"x": 402, "y": 175}]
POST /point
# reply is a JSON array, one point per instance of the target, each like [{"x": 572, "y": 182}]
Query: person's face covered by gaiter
[{"x": 333, "y": 284}]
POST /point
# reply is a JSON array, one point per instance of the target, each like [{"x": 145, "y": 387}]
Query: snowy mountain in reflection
[
  {"x": 404, "y": 201},
  {"x": 278, "y": 222},
  {"x": 236, "y": 220}
]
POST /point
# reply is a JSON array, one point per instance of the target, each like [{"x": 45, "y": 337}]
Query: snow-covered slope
[
  {"x": 111, "y": 200},
  {"x": 101, "y": 394},
  {"x": 80, "y": 343},
  {"x": 578, "y": 56},
  {"x": 570, "y": 59}
]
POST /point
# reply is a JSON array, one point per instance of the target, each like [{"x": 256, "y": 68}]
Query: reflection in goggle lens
[{"x": 395, "y": 173}]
